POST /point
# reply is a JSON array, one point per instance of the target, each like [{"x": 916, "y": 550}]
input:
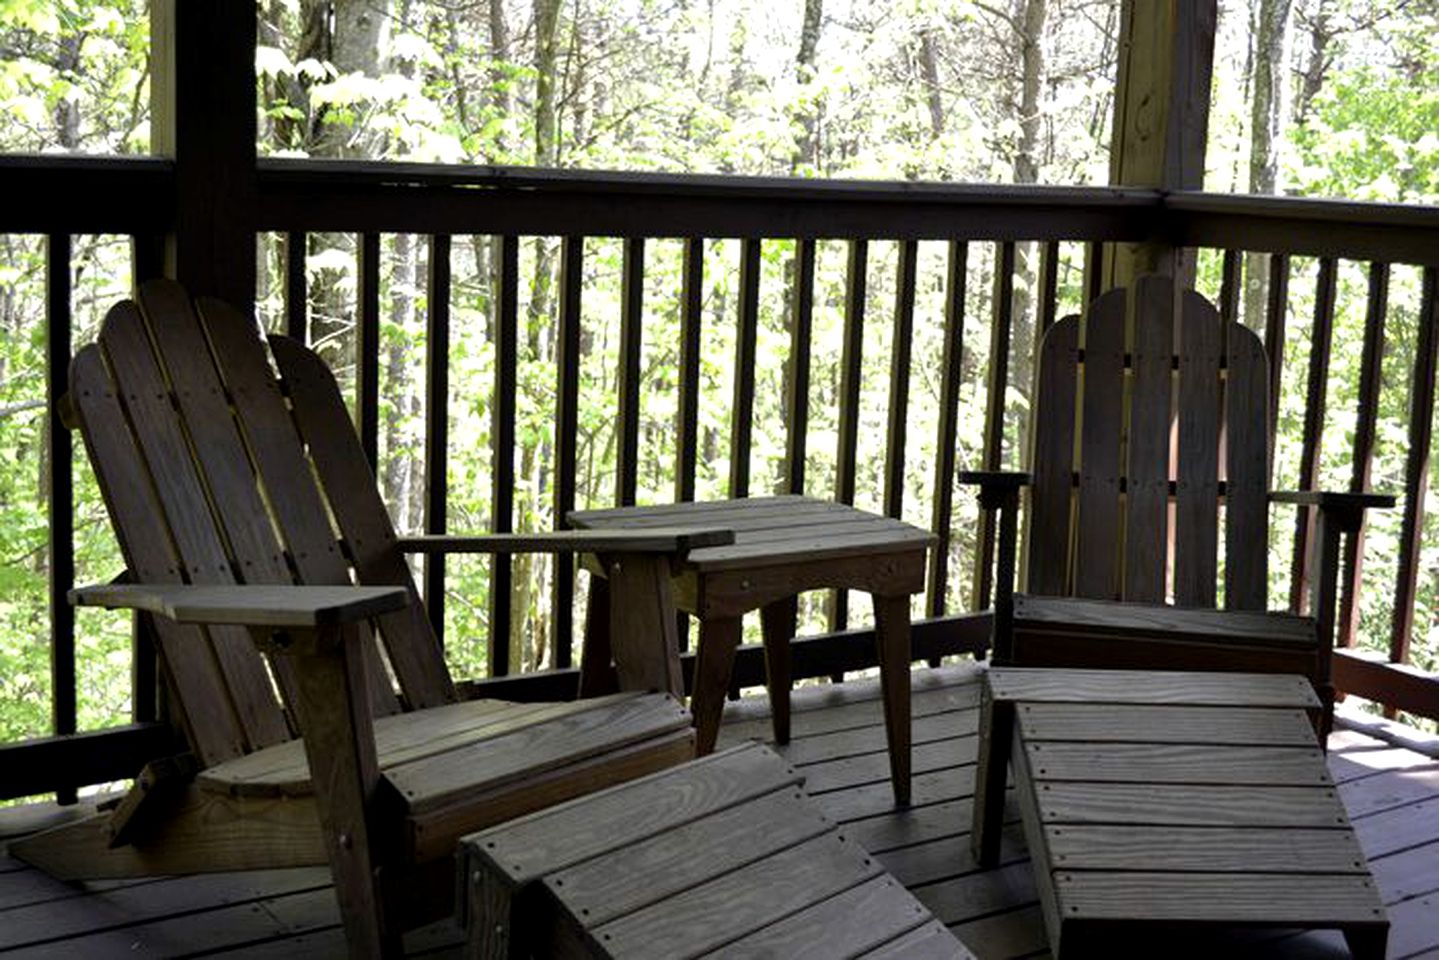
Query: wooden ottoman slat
[
  {"x": 846, "y": 925},
  {"x": 1101, "y": 723},
  {"x": 1158, "y": 688},
  {"x": 707, "y": 917},
  {"x": 1190, "y": 805},
  {"x": 1217, "y": 849},
  {"x": 646, "y": 872},
  {"x": 933, "y": 941},
  {"x": 1177, "y": 763},
  {"x": 1241, "y": 898}
]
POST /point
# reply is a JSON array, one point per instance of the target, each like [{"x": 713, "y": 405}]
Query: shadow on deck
[{"x": 1392, "y": 794}]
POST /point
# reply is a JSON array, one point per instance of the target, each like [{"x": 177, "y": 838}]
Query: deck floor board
[{"x": 838, "y": 742}]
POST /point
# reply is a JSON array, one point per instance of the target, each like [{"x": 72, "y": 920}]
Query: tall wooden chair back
[
  {"x": 1151, "y": 423},
  {"x": 217, "y": 471}
]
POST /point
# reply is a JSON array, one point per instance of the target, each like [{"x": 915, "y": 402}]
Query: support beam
[
  {"x": 202, "y": 108},
  {"x": 1161, "y": 118}
]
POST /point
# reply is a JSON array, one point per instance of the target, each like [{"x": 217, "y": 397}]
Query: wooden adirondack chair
[
  {"x": 1145, "y": 427},
  {"x": 247, "y": 512}
]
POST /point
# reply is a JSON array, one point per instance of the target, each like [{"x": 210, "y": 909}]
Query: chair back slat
[
  {"x": 1051, "y": 491},
  {"x": 202, "y": 704},
  {"x": 1172, "y": 425},
  {"x": 1096, "y": 556},
  {"x": 180, "y": 491},
  {"x": 349, "y": 485},
  {"x": 1196, "y": 511},
  {"x": 1246, "y": 472},
  {"x": 1146, "y": 528},
  {"x": 286, "y": 479}
]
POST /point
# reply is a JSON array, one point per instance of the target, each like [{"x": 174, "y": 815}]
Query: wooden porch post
[
  {"x": 1161, "y": 119},
  {"x": 202, "y": 108}
]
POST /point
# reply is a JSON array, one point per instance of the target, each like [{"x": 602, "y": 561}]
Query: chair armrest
[
  {"x": 678, "y": 540},
  {"x": 256, "y": 605},
  {"x": 994, "y": 479},
  {"x": 1332, "y": 500}
]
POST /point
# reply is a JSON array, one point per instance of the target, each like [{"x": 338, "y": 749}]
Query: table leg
[
  {"x": 996, "y": 731},
  {"x": 596, "y": 678},
  {"x": 891, "y": 633},
  {"x": 719, "y": 639},
  {"x": 778, "y": 621}
]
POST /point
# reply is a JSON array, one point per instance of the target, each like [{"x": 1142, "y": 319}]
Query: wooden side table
[{"x": 783, "y": 546}]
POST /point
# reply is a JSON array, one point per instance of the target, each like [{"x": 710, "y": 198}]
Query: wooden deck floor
[{"x": 1392, "y": 794}]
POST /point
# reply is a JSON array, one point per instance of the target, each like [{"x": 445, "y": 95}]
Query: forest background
[{"x": 1310, "y": 97}]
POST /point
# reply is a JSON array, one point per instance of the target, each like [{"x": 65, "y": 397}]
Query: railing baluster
[
  {"x": 951, "y": 366},
  {"x": 797, "y": 402},
  {"x": 437, "y": 421},
  {"x": 1371, "y": 378},
  {"x": 1048, "y": 291},
  {"x": 567, "y": 405},
  {"x": 993, "y": 454},
  {"x": 1416, "y": 470},
  {"x": 899, "y": 361},
  {"x": 1229, "y": 283},
  {"x": 850, "y": 378},
  {"x": 742, "y": 422},
  {"x": 502, "y": 492},
  {"x": 367, "y": 349},
  {"x": 297, "y": 296},
  {"x": 60, "y": 491},
  {"x": 1274, "y": 320},
  {"x": 691, "y": 317},
  {"x": 1320, "y": 341},
  {"x": 632, "y": 305}
]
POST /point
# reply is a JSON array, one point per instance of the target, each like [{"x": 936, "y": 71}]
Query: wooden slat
[
  {"x": 1177, "y": 763},
  {"x": 899, "y": 360},
  {"x": 797, "y": 399},
  {"x": 1097, "y": 617},
  {"x": 1371, "y": 380},
  {"x": 1320, "y": 343},
  {"x": 297, "y": 293},
  {"x": 203, "y": 707},
  {"x": 1274, "y": 322},
  {"x": 567, "y": 399},
  {"x": 1052, "y": 489},
  {"x": 707, "y": 917},
  {"x": 184, "y": 501},
  {"x": 502, "y": 449},
  {"x": 997, "y": 387},
  {"x": 746, "y": 344},
  {"x": 364, "y": 523},
  {"x": 1170, "y": 687},
  {"x": 1048, "y": 286},
  {"x": 691, "y": 318},
  {"x": 1204, "y": 849},
  {"x": 1146, "y": 522},
  {"x": 1191, "y": 805},
  {"x": 1099, "y": 723},
  {"x": 367, "y": 349},
  {"x": 932, "y": 941},
  {"x": 627, "y": 416},
  {"x": 1276, "y": 900},
  {"x": 1416, "y": 469},
  {"x": 279, "y": 459},
  {"x": 851, "y": 377},
  {"x": 1196, "y": 515},
  {"x": 1229, "y": 285},
  {"x": 59, "y": 489},
  {"x": 437, "y": 421},
  {"x": 951, "y": 370},
  {"x": 1246, "y": 458},
  {"x": 1096, "y": 568}
]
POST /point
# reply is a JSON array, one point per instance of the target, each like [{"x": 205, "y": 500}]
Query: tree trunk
[
  {"x": 807, "y": 152},
  {"x": 1321, "y": 34},
  {"x": 1266, "y": 120},
  {"x": 1030, "y": 40},
  {"x": 929, "y": 70}
]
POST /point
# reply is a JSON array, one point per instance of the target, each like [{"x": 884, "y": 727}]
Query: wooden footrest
[
  {"x": 722, "y": 855},
  {"x": 1163, "y": 803}
]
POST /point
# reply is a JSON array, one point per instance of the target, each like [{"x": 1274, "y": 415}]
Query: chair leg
[
  {"x": 719, "y": 639},
  {"x": 891, "y": 633},
  {"x": 596, "y": 677},
  {"x": 339, "y": 743},
  {"x": 778, "y": 621},
  {"x": 643, "y": 638},
  {"x": 1369, "y": 943},
  {"x": 996, "y": 732}
]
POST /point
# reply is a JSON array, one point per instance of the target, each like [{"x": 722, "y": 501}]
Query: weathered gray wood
[
  {"x": 1146, "y": 528},
  {"x": 1322, "y": 900},
  {"x": 1191, "y": 805},
  {"x": 1151, "y": 687},
  {"x": 1246, "y": 458},
  {"x": 1203, "y": 849},
  {"x": 1096, "y": 560},
  {"x": 1196, "y": 520},
  {"x": 1177, "y": 763},
  {"x": 677, "y": 540},
  {"x": 1052, "y": 489},
  {"x": 1101, "y": 723},
  {"x": 256, "y": 605},
  {"x": 1273, "y": 628},
  {"x": 933, "y": 941}
]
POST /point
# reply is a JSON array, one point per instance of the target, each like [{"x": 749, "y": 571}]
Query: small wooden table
[
  {"x": 783, "y": 546},
  {"x": 1163, "y": 804}
]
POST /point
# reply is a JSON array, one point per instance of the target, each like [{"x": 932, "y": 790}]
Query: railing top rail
[{"x": 68, "y": 193}]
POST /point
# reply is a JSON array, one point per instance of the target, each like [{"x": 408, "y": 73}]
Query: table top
[{"x": 771, "y": 530}]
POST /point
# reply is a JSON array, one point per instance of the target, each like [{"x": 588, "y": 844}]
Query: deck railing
[{"x": 439, "y": 202}]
